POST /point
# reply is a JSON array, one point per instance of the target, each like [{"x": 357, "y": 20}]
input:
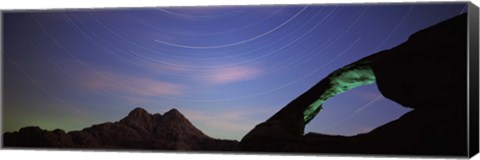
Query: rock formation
[
  {"x": 139, "y": 130},
  {"x": 427, "y": 73}
]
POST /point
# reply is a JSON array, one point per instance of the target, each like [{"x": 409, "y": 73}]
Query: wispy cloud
[
  {"x": 232, "y": 74},
  {"x": 129, "y": 84}
]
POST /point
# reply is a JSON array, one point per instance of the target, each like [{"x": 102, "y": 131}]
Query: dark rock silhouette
[
  {"x": 426, "y": 73},
  {"x": 139, "y": 130}
]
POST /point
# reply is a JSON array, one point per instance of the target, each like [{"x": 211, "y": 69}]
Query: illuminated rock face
[{"x": 344, "y": 79}]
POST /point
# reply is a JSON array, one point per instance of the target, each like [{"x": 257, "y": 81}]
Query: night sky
[{"x": 225, "y": 68}]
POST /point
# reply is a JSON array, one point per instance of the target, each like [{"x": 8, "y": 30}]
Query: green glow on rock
[{"x": 342, "y": 80}]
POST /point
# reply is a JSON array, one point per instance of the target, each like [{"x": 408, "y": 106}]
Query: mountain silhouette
[
  {"x": 426, "y": 73},
  {"x": 138, "y": 130}
]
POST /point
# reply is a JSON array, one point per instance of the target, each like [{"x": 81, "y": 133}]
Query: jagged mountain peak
[
  {"x": 138, "y": 117},
  {"x": 138, "y": 130},
  {"x": 174, "y": 113},
  {"x": 138, "y": 111}
]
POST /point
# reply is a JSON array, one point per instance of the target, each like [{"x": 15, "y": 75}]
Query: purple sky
[{"x": 225, "y": 68}]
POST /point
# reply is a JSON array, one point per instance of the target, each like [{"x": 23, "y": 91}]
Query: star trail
[{"x": 226, "y": 68}]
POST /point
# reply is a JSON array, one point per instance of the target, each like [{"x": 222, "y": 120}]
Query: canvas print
[{"x": 363, "y": 79}]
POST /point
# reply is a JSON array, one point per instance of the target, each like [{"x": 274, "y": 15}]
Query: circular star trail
[{"x": 226, "y": 68}]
